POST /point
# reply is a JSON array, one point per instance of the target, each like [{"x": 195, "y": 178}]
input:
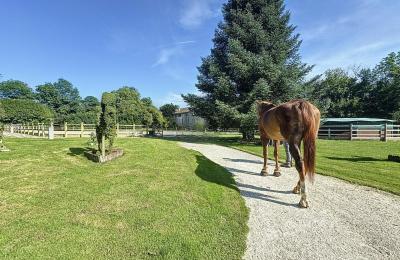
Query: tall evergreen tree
[{"x": 255, "y": 56}]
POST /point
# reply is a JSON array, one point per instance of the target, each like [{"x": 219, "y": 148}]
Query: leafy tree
[
  {"x": 129, "y": 106},
  {"x": 22, "y": 111},
  {"x": 334, "y": 93},
  {"x": 15, "y": 89},
  {"x": 168, "y": 111},
  {"x": 255, "y": 56},
  {"x": 2, "y": 112},
  {"x": 387, "y": 74},
  {"x": 90, "y": 110},
  {"x": 152, "y": 116},
  {"x": 63, "y": 98},
  {"x": 107, "y": 121}
]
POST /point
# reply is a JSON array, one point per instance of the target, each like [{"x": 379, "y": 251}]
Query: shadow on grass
[
  {"x": 212, "y": 172},
  {"x": 356, "y": 159},
  {"x": 77, "y": 151}
]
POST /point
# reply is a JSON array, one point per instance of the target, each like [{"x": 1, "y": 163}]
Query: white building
[{"x": 186, "y": 119}]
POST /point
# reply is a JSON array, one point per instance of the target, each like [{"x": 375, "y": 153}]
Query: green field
[
  {"x": 157, "y": 201},
  {"x": 360, "y": 162}
]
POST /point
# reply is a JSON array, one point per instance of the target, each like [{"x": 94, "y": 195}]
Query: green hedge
[{"x": 21, "y": 111}]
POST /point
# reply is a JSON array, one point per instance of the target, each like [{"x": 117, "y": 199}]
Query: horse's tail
[{"x": 311, "y": 117}]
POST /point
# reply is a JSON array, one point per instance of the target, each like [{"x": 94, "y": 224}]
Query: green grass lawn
[
  {"x": 360, "y": 162},
  {"x": 157, "y": 201}
]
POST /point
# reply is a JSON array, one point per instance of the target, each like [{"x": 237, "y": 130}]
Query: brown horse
[{"x": 294, "y": 121}]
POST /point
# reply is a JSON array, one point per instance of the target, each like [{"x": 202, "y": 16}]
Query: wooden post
[
  {"x": 103, "y": 145},
  {"x": 117, "y": 129},
  {"x": 329, "y": 133},
  {"x": 134, "y": 129},
  {"x": 82, "y": 129},
  {"x": 38, "y": 129},
  {"x": 65, "y": 129},
  {"x": 385, "y": 133},
  {"x": 51, "y": 131},
  {"x": 351, "y": 132}
]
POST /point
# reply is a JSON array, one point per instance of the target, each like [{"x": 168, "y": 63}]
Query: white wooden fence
[
  {"x": 381, "y": 132},
  {"x": 72, "y": 130}
]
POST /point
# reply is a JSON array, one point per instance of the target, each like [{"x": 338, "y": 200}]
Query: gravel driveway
[{"x": 344, "y": 221}]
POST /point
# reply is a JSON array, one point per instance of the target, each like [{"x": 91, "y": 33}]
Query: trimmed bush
[{"x": 107, "y": 122}]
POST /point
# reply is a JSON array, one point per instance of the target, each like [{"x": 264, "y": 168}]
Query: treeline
[
  {"x": 366, "y": 92},
  {"x": 61, "y": 102}
]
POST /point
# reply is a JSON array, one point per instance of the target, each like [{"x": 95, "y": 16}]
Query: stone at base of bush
[
  {"x": 115, "y": 153},
  {"x": 394, "y": 158},
  {"x": 4, "y": 149}
]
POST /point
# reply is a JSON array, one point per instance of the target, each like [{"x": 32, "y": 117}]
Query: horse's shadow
[
  {"x": 212, "y": 172},
  {"x": 243, "y": 160}
]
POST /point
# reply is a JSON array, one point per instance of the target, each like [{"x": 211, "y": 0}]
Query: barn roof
[{"x": 355, "y": 119}]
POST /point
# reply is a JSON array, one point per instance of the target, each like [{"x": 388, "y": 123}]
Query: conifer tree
[{"x": 254, "y": 57}]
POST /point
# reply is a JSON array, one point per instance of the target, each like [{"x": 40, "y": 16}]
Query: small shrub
[
  {"x": 200, "y": 126},
  {"x": 92, "y": 142}
]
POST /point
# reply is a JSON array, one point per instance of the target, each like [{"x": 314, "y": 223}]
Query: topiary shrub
[{"x": 106, "y": 128}]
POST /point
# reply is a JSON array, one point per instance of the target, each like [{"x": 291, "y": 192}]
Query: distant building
[{"x": 186, "y": 119}]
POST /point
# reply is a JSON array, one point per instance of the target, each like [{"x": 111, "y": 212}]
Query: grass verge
[{"x": 157, "y": 201}]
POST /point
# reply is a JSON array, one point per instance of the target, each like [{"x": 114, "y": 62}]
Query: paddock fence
[
  {"x": 383, "y": 132},
  {"x": 72, "y": 130}
]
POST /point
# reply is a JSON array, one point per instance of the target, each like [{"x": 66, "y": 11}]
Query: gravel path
[{"x": 344, "y": 221}]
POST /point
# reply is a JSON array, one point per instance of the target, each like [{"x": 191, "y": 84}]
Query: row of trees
[
  {"x": 363, "y": 92},
  {"x": 61, "y": 102},
  {"x": 256, "y": 57}
]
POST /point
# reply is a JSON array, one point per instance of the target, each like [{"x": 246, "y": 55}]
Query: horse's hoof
[
  {"x": 303, "y": 204},
  {"x": 264, "y": 173},
  {"x": 277, "y": 173},
  {"x": 296, "y": 190}
]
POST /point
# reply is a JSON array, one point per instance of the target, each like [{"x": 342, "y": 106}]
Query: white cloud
[
  {"x": 364, "y": 55},
  {"x": 173, "y": 98},
  {"x": 195, "y": 12},
  {"x": 166, "y": 53}
]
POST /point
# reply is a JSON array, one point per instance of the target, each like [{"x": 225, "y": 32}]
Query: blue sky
[{"x": 156, "y": 45}]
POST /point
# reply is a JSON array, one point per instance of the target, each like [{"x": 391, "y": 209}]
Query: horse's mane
[{"x": 263, "y": 106}]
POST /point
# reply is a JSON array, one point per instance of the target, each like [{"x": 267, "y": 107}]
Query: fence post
[
  {"x": 351, "y": 132},
  {"x": 385, "y": 133},
  {"x": 82, "y": 129},
  {"x": 117, "y": 129},
  {"x": 134, "y": 128},
  {"x": 65, "y": 129},
  {"x": 51, "y": 131},
  {"x": 42, "y": 128},
  {"x": 329, "y": 133},
  {"x": 12, "y": 128}
]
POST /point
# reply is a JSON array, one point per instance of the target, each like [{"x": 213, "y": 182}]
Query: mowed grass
[
  {"x": 359, "y": 162},
  {"x": 157, "y": 201}
]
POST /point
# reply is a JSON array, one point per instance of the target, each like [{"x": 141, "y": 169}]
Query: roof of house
[
  {"x": 355, "y": 119},
  {"x": 182, "y": 110}
]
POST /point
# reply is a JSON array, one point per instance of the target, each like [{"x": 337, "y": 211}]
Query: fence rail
[
  {"x": 72, "y": 130},
  {"x": 381, "y": 132}
]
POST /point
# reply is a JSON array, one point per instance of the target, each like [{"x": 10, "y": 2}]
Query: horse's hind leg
[
  {"x": 301, "y": 186},
  {"x": 264, "y": 171},
  {"x": 277, "y": 171}
]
